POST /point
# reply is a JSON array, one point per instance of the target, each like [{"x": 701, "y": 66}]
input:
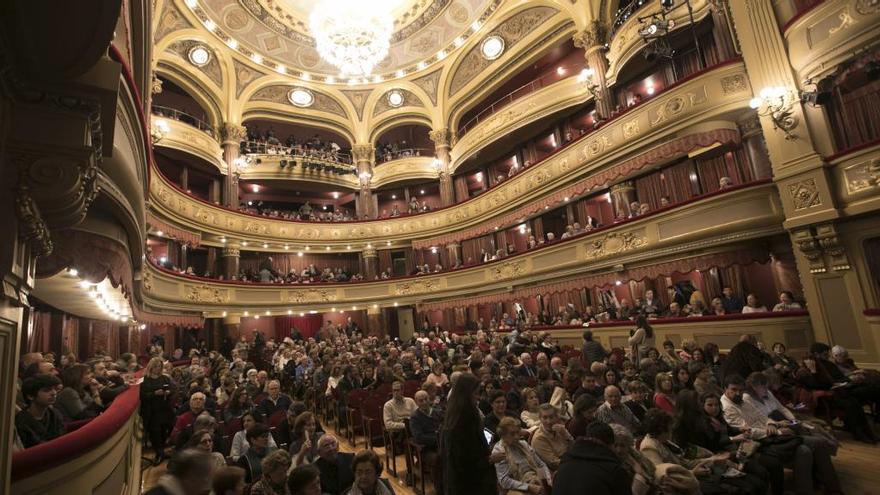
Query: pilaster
[
  {"x": 231, "y": 136},
  {"x": 442, "y": 139}
]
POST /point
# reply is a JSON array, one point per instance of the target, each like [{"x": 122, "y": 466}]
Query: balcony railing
[
  {"x": 526, "y": 89},
  {"x": 404, "y": 153},
  {"x": 625, "y": 12},
  {"x": 171, "y": 113},
  {"x": 297, "y": 152}
]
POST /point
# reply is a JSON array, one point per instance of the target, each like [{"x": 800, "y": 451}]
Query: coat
[
  {"x": 591, "y": 464},
  {"x": 466, "y": 467}
]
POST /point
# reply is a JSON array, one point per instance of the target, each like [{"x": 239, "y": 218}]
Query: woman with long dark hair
[
  {"x": 156, "y": 406},
  {"x": 642, "y": 339},
  {"x": 80, "y": 398},
  {"x": 463, "y": 446}
]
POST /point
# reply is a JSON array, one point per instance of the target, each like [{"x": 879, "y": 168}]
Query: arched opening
[
  {"x": 190, "y": 173},
  {"x": 176, "y": 103},
  {"x": 404, "y": 141}
]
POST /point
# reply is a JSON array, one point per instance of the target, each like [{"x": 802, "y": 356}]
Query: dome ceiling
[{"x": 277, "y": 31}]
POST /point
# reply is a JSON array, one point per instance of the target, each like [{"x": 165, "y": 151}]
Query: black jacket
[
  {"x": 591, "y": 464},
  {"x": 465, "y": 458},
  {"x": 424, "y": 427},
  {"x": 336, "y": 477}
]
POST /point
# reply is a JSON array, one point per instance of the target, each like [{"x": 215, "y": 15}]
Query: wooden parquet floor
[{"x": 858, "y": 466}]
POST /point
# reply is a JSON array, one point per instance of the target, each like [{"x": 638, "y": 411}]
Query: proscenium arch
[
  {"x": 271, "y": 113},
  {"x": 398, "y": 121},
  {"x": 194, "y": 88}
]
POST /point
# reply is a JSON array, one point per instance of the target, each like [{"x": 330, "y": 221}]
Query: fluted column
[
  {"x": 593, "y": 40},
  {"x": 231, "y": 255},
  {"x": 454, "y": 250},
  {"x": 371, "y": 263},
  {"x": 364, "y": 155},
  {"x": 231, "y": 136},
  {"x": 442, "y": 139},
  {"x": 755, "y": 147},
  {"x": 622, "y": 195}
]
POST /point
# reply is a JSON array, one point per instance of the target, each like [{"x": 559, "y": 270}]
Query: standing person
[
  {"x": 463, "y": 446},
  {"x": 156, "y": 408},
  {"x": 642, "y": 339},
  {"x": 592, "y": 350}
]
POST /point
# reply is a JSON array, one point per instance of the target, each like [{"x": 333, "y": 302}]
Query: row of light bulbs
[
  {"x": 491, "y": 48},
  {"x": 256, "y": 314},
  {"x": 113, "y": 310}
]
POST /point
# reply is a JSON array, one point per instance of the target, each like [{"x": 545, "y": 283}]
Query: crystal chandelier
[{"x": 353, "y": 35}]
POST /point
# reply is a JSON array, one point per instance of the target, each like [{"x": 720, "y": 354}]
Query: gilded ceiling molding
[
  {"x": 512, "y": 31},
  {"x": 429, "y": 84},
  {"x": 409, "y": 100},
  {"x": 212, "y": 69},
  {"x": 277, "y": 93},
  {"x": 172, "y": 20},
  {"x": 244, "y": 75},
  {"x": 358, "y": 100}
]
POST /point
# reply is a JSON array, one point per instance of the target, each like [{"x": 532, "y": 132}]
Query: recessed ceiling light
[
  {"x": 232, "y": 43},
  {"x": 395, "y": 98},
  {"x": 257, "y": 58},
  {"x": 492, "y": 47},
  {"x": 306, "y": 77},
  {"x": 210, "y": 25},
  {"x": 281, "y": 69},
  {"x": 199, "y": 55},
  {"x": 301, "y": 97}
]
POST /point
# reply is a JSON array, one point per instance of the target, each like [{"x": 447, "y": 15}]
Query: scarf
[{"x": 381, "y": 489}]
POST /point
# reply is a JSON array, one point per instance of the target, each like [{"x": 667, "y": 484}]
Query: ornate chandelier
[{"x": 353, "y": 35}]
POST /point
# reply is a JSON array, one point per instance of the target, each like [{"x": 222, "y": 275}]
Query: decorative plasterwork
[
  {"x": 311, "y": 296},
  {"x": 429, "y": 84},
  {"x": 171, "y": 20},
  {"x": 507, "y": 270},
  {"x": 416, "y": 287},
  {"x": 277, "y": 93},
  {"x": 441, "y": 137},
  {"x": 212, "y": 69},
  {"x": 595, "y": 35},
  {"x": 804, "y": 194},
  {"x": 358, "y": 100},
  {"x": 826, "y": 235},
  {"x": 615, "y": 243},
  {"x": 862, "y": 176},
  {"x": 409, "y": 100},
  {"x": 512, "y": 31},
  {"x": 414, "y": 167},
  {"x": 244, "y": 75},
  {"x": 205, "y": 294}
]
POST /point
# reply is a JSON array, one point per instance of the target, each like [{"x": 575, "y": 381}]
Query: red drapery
[
  {"x": 193, "y": 239},
  {"x": 284, "y": 262},
  {"x": 307, "y": 325}
]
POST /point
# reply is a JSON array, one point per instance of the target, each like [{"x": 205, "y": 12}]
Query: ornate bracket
[{"x": 828, "y": 239}]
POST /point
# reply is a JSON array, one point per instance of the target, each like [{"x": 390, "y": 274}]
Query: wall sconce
[
  {"x": 586, "y": 78},
  {"x": 776, "y": 104},
  {"x": 242, "y": 163},
  {"x": 437, "y": 165},
  {"x": 365, "y": 178},
  {"x": 158, "y": 130}
]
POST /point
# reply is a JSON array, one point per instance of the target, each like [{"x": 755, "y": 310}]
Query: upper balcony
[
  {"x": 714, "y": 98},
  {"x": 180, "y": 131},
  {"x": 703, "y": 224},
  {"x": 404, "y": 168}
]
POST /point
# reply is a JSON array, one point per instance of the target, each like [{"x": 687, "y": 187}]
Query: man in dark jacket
[
  {"x": 592, "y": 350},
  {"x": 591, "y": 463},
  {"x": 337, "y": 473},
  {"x": 744, "y": 358},
  {"x": 189, "y": 471}
]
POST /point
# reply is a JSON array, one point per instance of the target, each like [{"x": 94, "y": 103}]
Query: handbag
[{"x": 781, "y": 447}]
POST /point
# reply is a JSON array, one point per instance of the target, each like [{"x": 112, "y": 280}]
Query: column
[
  {"x": 829, "y": 258},
  {"x": 454, "y": 250},
  {"x": 375, "y": 322},
  {"x": 214, "y": 194},
  {"x": 211, "y": 263},
  {"x": 755, "y": 147},
  {"x": 371, "y": 263},
  {"x": 231, "y": 328},
  {"x": 184, "y": 178},
  {"x": 593, "y": 40},
  {"x": 230, "y": 255},
  {"x": 184, "y": 261},
  {"x": 364, "y": 155},
  {"x": 442, "y": 139},
  {"x": 622, "y": 195},
  {"x": 231, "y": 136}
]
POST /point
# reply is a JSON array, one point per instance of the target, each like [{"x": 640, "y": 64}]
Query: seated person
[
  {"x": 304, "y": 439},
  {"x": 204, "y": 440},
  {"x": 274, "y": 478},
  {"x": 251, "y": 461},
  {"x": 367, "y": 476},
  {"x": 275, "y": 400},
  {"x": 305, "y": 480},
  {"x": 80, "y": 398},
  {"x": 240, "y": 443},
  {"x": 612, "y": 411},
  {"x": 336, "y": 468},
  {"x": 196, "y": 407},
  {"x": 204, "y": 422},
  {"x": 551, "y": 440},
  {"x": 498, "y": 402},
  {"x": 593, "y": 462},
  {"x": 39, "y": 422},
  {"x": 520, "y": 468}
]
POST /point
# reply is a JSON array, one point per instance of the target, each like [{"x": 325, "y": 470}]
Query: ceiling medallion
[
  {"x": 301, "y": 97},
  {"x": 199, "y": 55},
  {"x": 395, "y": 98},
  {"x": 352, "y": 35},
  {"x": 492, "y": 47}
]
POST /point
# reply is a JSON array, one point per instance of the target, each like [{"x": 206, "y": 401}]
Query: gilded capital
[
  {"x": 441, "y": 137},
  {"x": 369, "y": 252},
  {"x": 230, "y": 252},
  {"x": 232, "y": 133},
  {"x": 595, "y": 35},
  {"x": 363, "y": 152},
  {"x": 625, "y": 186}
]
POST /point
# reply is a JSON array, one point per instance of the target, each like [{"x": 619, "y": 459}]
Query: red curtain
[
  {"x": 284, "y": 262},
  {"x": 677, "y": 181},
  {"x": 38, "y": 340},
  {"x": 856, "y": 115},
  {"x": 649, "y": 189},
  {"x": 307, "y": 325},
  {"x": 460, "y": 184},
  {"x": 384, "y": 259}
]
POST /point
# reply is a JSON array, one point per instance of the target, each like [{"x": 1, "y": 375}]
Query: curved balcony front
[
  {"x": 709, "y": 100},
  {"x": 541, "y": 103},
  {"x": 402, "y": 169},
  {"x": 828, "y": 34},
  {"x": 300, "y": 168},
  {"x": 698, "y": 226},
  {"x": 179, "y": 135}
]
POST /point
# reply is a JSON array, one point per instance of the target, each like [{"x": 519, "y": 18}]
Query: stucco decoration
[
  {"x": 429, "y": 84},
  {"x": 409, "y": 100},
  {"x": 512, "y": 31},
  {"x": 172, "y": 20},
  {"x": 211, "y": 69},
  {"x": 358, "y": 100},
  {"x": 277, "y": 93},
  {"x": 244, "y": 75}
]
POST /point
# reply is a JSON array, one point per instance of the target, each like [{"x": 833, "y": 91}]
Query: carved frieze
[
  {"x": 172, "y": 20},
  {"x": 232, "y": 132},
  {"x": 277, "y": 93},
  {"x": 417, "y": 287},
  {"x": 734, "y": 84},
  {"x": 862, "y": 176},
  {"x": 506, "y": 270},
  {"x": 429, "y": 84},
  {"x": 311, "y": 296},
  {"x": 810, "y": 248},
  {"x": 804, "y": 194},
  {"x": 205, "y": 294},
  {"x": 358, "y": 100},
  {"x": 615, "y": 243},
  {"x": 826, "y": 236}
]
